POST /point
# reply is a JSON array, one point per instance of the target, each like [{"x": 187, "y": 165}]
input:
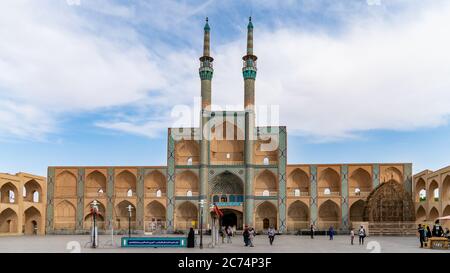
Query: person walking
[
  {"x": 331, "y": 232},
  {"x": 271, "y": 234},
  {"x": 191, "y": 238},
  {"x": 428, "y": 234},
  {"x": 421, "y": 231},
  {"x": 362, "y": 235},
  {"x": 251, "y": 236},
  {"x": 229, "y": 233},
  {"x": 312, "y": 231},
  {"x": 352, "y": 236},
  {"x": 246, "y": 235}
]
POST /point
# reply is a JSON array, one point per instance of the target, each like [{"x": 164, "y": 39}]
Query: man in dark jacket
[
  {"x": 421, "y": 231},
  {"x": 246, "y": 235}
]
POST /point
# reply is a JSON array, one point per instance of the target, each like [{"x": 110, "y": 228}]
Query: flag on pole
[{"x": 218, "y": 211}]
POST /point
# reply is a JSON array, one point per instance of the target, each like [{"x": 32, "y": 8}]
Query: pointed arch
[
  {"x": 265, "y": 216},
  {"x": 33, "y": 191},
  {"x": 357, "y": 211},
  {"x": 65, "y": 215},
  {"x": 186, "y": 216},
  {"x": 8, "y": 221},
  {"x": 446, "y": 211},
  {"x": 95, "y": 185},
  {"x": 421, "y": 214},
  {"x": 187, "y": 150},
  {"x": 227, "y": 142},
  {"x": 66, "y": 185},
  {"x": 298, "y": 216},
  {"x": 99, "y": 218},
  {"x": 266, "y": 181},
  {"x": 433, "y": 191},
  {"x": 392, "y": 174},
  {"x": 153, "y": 182},
  {"x": 329, "y": 179},
  {"x": 186, "y": 181},
  {"x": 9, "y": 193},
  {"x": 125, "y": 181},
  {"x": 32, "y": 221},
  {"x": 298, "y": 180},
  {"x": 121, "y": 216},
  {"x": 434, "y": 214},
  {"x": 360, "y": 181},
  {"x": 155, "y": 211},
  {"x": 420, "y": 187},
  {"x": 226, "y": 183},
  {"x": 329, "y": 215}
]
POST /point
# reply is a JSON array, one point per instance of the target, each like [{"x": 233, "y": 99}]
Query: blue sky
[{"x": 96, "y": 82}]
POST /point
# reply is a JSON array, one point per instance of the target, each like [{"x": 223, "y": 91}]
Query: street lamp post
[
  {"x": 94, "y": 209},
  {"x": 202, "y": 203},
  {"x": 129, "y": 219}
]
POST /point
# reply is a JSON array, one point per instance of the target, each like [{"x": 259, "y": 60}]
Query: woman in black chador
[{"x": 191, "y": 238}]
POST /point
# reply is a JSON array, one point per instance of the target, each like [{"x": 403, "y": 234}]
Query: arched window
[
  {"x": 189, "y": 193},
  {"x": 297, "y": 192},
  {"x": 100, "y": 191},
  {"x": 265, "y": 193},
  {"x": 327, "y": 191},
  {"x": 223, "y": 198},
  {"x": 215, "y": 198},
  {"x": 357, "y": 191},
  {"x": 266, "y": 161},
  {"x": 36, "y": 197},
  {"x": 12, "y": 197},
  {"x": 130, "y": 193},
  {"x": 24, "y": 192},
  {"x": 158, "y": 193},
  {"x": 228, "y": 155},
  {"x": 189, "y": 161},
  {"x": 423, "y": 195},
  {"x": 436, "y": 194}
]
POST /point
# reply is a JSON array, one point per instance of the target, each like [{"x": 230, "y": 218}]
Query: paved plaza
[{"x": 283, "y": 243}]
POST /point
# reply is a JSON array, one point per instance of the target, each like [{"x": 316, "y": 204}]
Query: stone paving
[{"x": 283, "y": 243}]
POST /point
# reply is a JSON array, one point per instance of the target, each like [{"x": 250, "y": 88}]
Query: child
[{"x": 352, "y": 236}]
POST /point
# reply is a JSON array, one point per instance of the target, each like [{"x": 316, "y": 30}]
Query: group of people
[
  {"x": 361, "y": 234},
  {"x": 226, "y": 232},
  {"x": 250, "y": 233},
  {"x": 425, "y": 232}
]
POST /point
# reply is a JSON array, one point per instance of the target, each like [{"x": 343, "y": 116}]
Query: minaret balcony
[{"x": 249, "y": 72}]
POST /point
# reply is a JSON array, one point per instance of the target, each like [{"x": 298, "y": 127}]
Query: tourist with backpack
[{"x": 362, "y": 235}]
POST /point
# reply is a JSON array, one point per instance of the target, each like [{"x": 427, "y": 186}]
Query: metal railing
[
  {"x": 301, "y": 194},
  {"x": 153, "y": 194},
  {"x": 333, "y": 193},
  {"x": 184, "y": 193},
  {"x": 262, "y": 193}
]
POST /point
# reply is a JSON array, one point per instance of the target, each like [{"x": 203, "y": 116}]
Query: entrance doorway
[{"x": 232, "y": 218}]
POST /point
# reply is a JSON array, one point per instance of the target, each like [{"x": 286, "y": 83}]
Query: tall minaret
[
  {"x": 249, "y": 73},
  {"x": 206, "y": 69},
  {"x": 206, "y": 73},
  {"x": 249, "y": 69}
]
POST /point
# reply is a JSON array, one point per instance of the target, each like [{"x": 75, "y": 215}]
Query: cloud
[
  {"x": 50, "y": 58},
  {"x": 24, "y": 121},
  {"x": 376, "y": 72}
]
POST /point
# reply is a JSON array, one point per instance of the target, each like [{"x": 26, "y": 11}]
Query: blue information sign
[{"x": 154, "y": 242}]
